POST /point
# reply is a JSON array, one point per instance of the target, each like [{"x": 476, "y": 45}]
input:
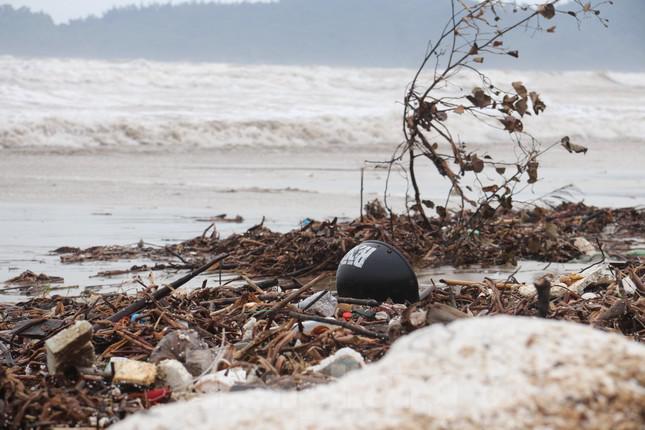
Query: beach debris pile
[
  {"x": 64, "y": 362},
  {"x": 29, "y": 282},
  {"x": 278, "y": 322},
  {"x": 569, "y": 231}
]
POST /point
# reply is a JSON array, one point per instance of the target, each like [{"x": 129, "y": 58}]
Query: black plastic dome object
[{"x": 376, "y": 270}]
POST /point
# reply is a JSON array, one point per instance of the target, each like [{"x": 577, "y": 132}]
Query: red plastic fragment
[{"x": 156, "y": 395}]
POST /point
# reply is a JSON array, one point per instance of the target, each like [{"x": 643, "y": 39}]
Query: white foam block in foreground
[{"x": 497, "y": 373}]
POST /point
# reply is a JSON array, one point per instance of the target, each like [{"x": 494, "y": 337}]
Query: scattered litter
[
  {"x": 629, "y": 286},
  {"x": 443, "y": 314},
  {"x": 174, "y": 375},
  {"x": 376, "y": 270},
  {"x": 187, "y": 347},
  {"x": 381, "y": 316},
  {"x": 71, "y": 347},
  {"x": 584, "y": 246},
  {"x": 252, "y": 333},
  {"x": 248, "y": 329},
  {"x": 418, "y": 318},
  {"x": 343, "y": 361},
  {"x": 313, "y": 328},
  {"x": 199, "y": 361},
  {"x": 323, "y": 304},
  {"x": 599, "y": 277},
  {"x": 133, "y": 372},
  {"x": 37, "y": 328},
  {"x": 224, "y": 380}
]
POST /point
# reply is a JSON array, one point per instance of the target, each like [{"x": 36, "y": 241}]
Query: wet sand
[{"x": 48, "y": 200}]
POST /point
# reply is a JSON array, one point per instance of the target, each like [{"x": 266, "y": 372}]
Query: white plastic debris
[
  {"x": 629, "y": 286},
  {"x": 527, "y": 290},
  {"x": 394, "y": 328},
  {"x": 248, "y": 329},
  {"x": 382, "y": 316},
  {"x": 173, "y": 374},
  {"x": 324, "y": 304},
  {"x": 187, "y": 347},
  {"x": 558, "y": 289},
  {"x": 343, "y": 361},
  {"x": 221, "y": 381},
  {"x": 418, "y": 318},
  {"x": 314, "y": 327},
  {"x": 199, "y": 361},
  {"x": 589, "y": 296},
  {"x": 600, "y": 275},
  {"x": 584, "y": 246}
]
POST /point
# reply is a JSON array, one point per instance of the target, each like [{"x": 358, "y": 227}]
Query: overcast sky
[{"x": 64, "y": 10}]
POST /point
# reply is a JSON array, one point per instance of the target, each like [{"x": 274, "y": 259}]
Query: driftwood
[{"x": 164, "y": 291}]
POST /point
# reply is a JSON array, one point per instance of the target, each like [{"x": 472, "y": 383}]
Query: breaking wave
[{"x": 143, "y": 105}]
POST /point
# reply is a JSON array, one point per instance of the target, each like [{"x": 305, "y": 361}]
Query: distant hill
[{"x": 390, "y": 33}]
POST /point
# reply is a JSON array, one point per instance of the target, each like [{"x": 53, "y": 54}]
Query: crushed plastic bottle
[{"x": 322, "y": 303}]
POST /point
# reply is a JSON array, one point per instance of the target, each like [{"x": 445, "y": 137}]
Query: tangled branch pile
[{"x": 538, "y": 234}]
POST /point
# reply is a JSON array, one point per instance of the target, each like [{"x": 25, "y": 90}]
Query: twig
[
  {"x": 363, "y": 302},
  {"x": 353, "y": 327},
  {"x": 543, "y": 287},
  {"x": 163, "y": 292},
  {"x": 295, "y": 294},
  {"x": 602, "y": 260}
]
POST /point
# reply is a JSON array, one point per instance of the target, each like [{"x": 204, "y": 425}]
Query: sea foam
[{"x": 143, "y": 105}]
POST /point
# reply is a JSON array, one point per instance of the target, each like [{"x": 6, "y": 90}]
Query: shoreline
[{"x": 85, "y": 199}]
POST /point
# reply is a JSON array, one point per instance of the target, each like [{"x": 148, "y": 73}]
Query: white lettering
[{"x": 358, "y": 256}]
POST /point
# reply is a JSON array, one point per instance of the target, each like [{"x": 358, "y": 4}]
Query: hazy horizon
[{"x": 310, "y": 32}]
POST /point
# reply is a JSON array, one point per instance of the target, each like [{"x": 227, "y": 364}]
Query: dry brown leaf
[
  {"x": 547, "y": 10},
  {"x": 512, "y": 124},
  {"x": 572, "y": 147},
  {"x": 521, "y": 106},
  {"x": 490, "y": 188},
  {"x": 538, "y": 104},
  {"x": 477, "y": 164},
  {"x": 520, "y": 89},
  {"x": 480, "y": 98}
]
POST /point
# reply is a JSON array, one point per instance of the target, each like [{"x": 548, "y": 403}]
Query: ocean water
[{"x": 141, "y": 105}]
